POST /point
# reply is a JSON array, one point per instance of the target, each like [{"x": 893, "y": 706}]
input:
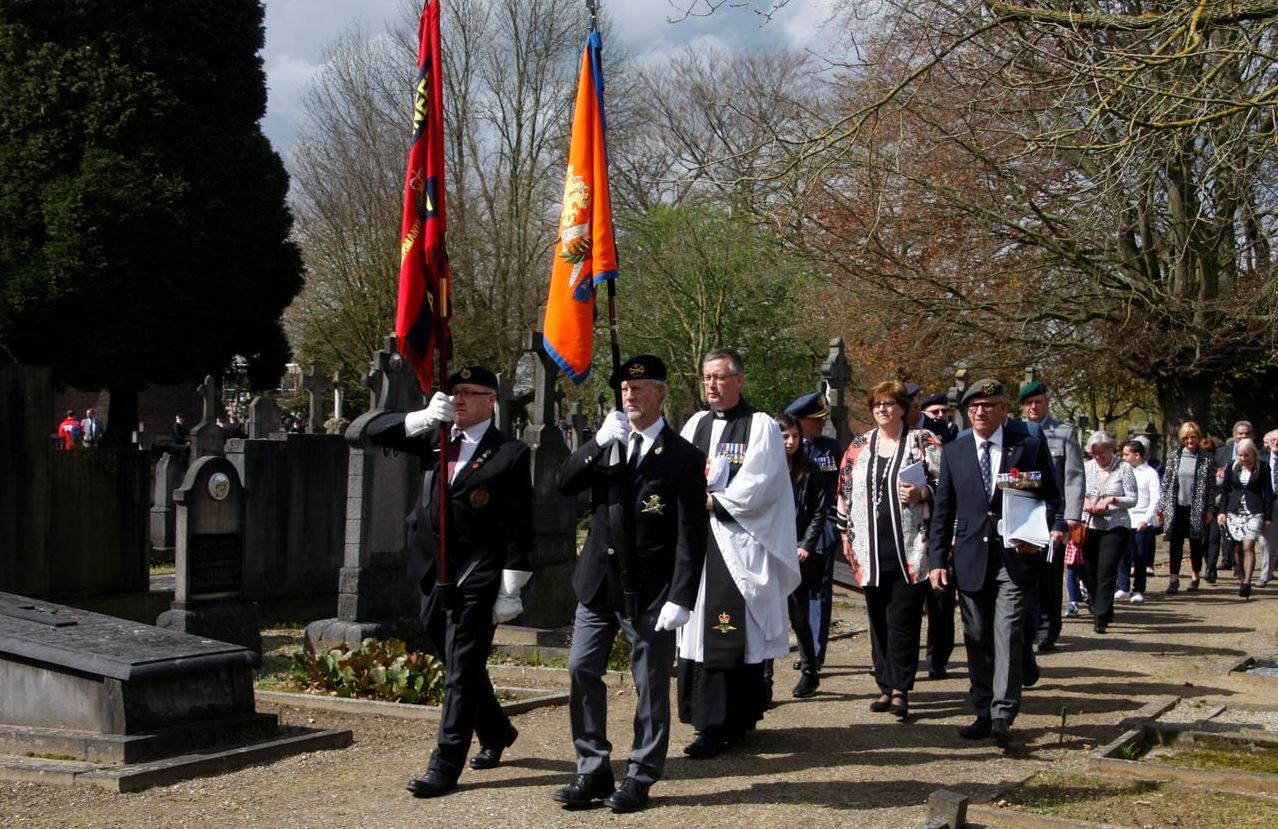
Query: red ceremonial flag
[
  {"x": 585, "y": 254},
  {"x": 423, "y": 307}
]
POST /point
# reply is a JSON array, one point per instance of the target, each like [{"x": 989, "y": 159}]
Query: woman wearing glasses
[
  {"x": 886, "y": 482},
  {"x": 1185, "y": 503}
]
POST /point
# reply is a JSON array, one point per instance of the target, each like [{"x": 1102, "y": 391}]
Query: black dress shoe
[
  {"x": 1245, "y": 591},
  {"x": 938, "y": 673},
  {"x": 1030, "y": 678},
  {"x": 900, "y": 706},
  {"x": 1000, "y": 731},
  {"x": 807, "y": 686},
  {"x": 978, "y": 730},
  {"x": 1047, "y": 645},
  {"x": 433, "y": 783},
  {"x": 883, "y": 703},
  {"x": 630, "y": 796},
  {"x": 1193, "y": 586},
  {"x": 1099, "y": 627},
  {"x": 489, "y": 757},
  {"x": 585, "y": 789},
  {"x": 706, "y": 745}
]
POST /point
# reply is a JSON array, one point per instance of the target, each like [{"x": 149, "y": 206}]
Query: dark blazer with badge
[
  {"x": 670, "y": 519},
  {"x": 965, "y": 520},
  {"x": 490, "y": 508}
]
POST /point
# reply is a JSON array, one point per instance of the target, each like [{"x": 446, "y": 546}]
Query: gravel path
[{"x": 821, "y": 762}]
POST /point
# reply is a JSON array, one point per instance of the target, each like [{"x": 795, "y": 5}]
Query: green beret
[{"x": 1032, "y": 388}]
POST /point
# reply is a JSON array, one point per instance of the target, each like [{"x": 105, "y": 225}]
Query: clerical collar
[{"x": 742, "y": 409}]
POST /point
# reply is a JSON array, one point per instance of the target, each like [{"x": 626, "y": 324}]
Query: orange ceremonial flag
[{"x": 585, "y": 253}]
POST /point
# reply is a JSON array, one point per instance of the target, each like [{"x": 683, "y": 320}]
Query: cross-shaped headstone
[
  {"x": 317, "y": 384},
  {"x": 837, "y": 372},
  {"x": 211, "y": 391},
  {"x": 392, "y": 381},
  {"x": 955, "y": 394},
  {"x": 543, "y": 408}
]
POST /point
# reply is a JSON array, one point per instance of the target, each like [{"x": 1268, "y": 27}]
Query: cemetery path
[{"x": 821, "y": 762}]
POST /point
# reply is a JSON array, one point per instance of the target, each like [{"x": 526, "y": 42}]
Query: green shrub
[{"x": 379, "y": 669}]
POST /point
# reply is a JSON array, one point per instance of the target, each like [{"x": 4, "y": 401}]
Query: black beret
[
  {"x": 912, "y": 390},
  {"x": 475, "y": 375},
  {"x": 939, "y": 399},
  {"x": 808, "y": 405},
  {"x": 642, "y": 367},
  {"x": 1032, "y": 388},
  {"x": 986, "y": 387}
]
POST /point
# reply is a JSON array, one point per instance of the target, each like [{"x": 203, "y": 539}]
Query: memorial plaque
[{"x": 216, "y": 564}]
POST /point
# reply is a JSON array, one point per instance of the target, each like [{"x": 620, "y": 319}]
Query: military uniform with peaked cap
[
  {"x": 667, "y": 507},
  {"x": 824, "y": 452},
  {"x": 489, "y": 535}
]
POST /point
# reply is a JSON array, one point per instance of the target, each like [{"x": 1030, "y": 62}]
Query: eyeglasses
[
  {"x": 983, "y": 407},
  {"x": 883, "y": 404},
  {"x": 716, "y": 378},
  {"x": 464, "y": 393},
  {"x": 1190, "y": 437}
]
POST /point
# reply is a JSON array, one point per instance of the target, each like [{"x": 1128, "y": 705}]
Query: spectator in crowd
[
  {"x": 91, "y": 429},
  {"x": 69, "y": 432},
  {"x": 1186, "y": 503},
  {"x": 1111, "y": 493},
  {"x": 811, "y": 506},
  {"x": 234, "y": 427},
  {"x": 178, "y": 433},
  {"x": 1267, "y": 548},
  {"x": 1132, "y": 570},
  {"x": 886, "y": 483},
  {"x": 1246, "y": 505},
  {"x": 936, "y": 416}
]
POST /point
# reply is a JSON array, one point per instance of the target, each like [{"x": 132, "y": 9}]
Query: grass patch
[
  {"x": 49, "y": 755},
  {"x": 1139, "y": 803},
  {"x": 163, "y": 569},
  {"x": 527, "y": 659},
  {"x": 1258, "y": 759}
]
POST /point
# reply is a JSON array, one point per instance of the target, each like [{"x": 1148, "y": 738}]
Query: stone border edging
[{"x": 408, "y": 711}]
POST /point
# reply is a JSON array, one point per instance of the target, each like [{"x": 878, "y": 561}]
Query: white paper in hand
[
  {"x": 1024, "y": 520},
  {"x": 717, "y": 474},
  {"x": 914, "y": 474}
]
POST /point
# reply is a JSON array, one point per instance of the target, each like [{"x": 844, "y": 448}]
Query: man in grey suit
[
  {"x": 993, "y": 579},
  {"x": 91, "y": 427},
  {"x": 1067, "y": 463},
  {"x": 664, "y": 487}
]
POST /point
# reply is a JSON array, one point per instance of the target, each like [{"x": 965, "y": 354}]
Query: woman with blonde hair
[
  {"x": 1185, "y": 503},
  {"x": 886, "y": 482},
  {"x": 1246, "y": 506}
]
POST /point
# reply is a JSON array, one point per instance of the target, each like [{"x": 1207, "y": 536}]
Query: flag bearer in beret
[
  {"x": 741, "y": 616},
  {"x": 1067, "y": 463},
  {"x": 825, "y": 452},
  {"x": 993, "y": 579},
  {"x": 489, "y": 547},
  {"x": 667, "y": 477}
]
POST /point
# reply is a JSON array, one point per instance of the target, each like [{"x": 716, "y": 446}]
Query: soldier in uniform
[
  {"x": 811, "y": 411},
  {"x": 1067, "y": 463},
  {"x": 667, "y": 488},
  {"x": 489, "y": 547}
]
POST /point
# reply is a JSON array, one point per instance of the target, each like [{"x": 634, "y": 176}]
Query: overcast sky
[{"x": 298, "y": 30}]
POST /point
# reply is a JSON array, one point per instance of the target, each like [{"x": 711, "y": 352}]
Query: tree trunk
[
  {"x": 122, "y": 418},
  {"x": 1183, "y": 397}
]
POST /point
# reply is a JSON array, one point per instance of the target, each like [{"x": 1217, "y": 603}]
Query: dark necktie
[
  {"x": 636, "y": 441},
  {"x": 986, "y": 473},
  {"x": 453, "y": 454}
]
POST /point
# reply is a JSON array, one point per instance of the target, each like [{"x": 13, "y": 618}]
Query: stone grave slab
[{"x": 79, "y": 688}]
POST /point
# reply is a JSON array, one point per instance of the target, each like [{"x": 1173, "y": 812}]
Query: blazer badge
[
  {"x": 478, "y": 462},
  {"x": 725, "y": 623},
  {"x": 479, "y": 497},
  {"x": 654, "y": 505}
]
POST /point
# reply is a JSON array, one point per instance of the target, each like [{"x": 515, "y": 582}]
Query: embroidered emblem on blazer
[
  {"x": 479, "y": 497},
  {"x": 725, "y": 623},
  {"x": 654, "y": 505}
]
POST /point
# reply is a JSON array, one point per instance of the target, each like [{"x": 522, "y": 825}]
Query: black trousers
[
  {"x": 1176, "y": 537},
  {"x": 1051, "y": 586},
  {"x": 895, "y": 610},
  {"x": 1103, "y": 552},
  {"x": 462, "y": 635},
  {"x": 940, "y": 625}
]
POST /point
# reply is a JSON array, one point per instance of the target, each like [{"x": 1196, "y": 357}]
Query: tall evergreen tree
[{"x": 144, "y": 231}]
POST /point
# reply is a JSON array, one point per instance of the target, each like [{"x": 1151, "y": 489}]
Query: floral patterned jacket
[{"x": 855, "y": 515}]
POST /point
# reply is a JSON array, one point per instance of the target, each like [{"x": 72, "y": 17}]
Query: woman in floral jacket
[{"x": 886, "y": 482}]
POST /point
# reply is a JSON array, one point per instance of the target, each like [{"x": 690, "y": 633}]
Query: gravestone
[
  {"x": 169, "y": 471},
  {"x": 549, "y": 601},
  {"x": 375, "y": 598},
  {"x": 317, "y": 384},
  {"x": 264, "y": 418},
  {"x": 151, "y": 706},
  {"x": 838, "y": 373},
  {"x": 955, "y": 393},
  {"x": 207, "y": 437},
  {"x": 208, "y": 592}
]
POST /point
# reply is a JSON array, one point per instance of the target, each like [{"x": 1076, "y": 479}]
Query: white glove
[
  {"x": 672, "y": 616},
  {"x": 615, "y": 429},
  {"x": 439, "y": 410},
  {"x": 509, "y": 604}
]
